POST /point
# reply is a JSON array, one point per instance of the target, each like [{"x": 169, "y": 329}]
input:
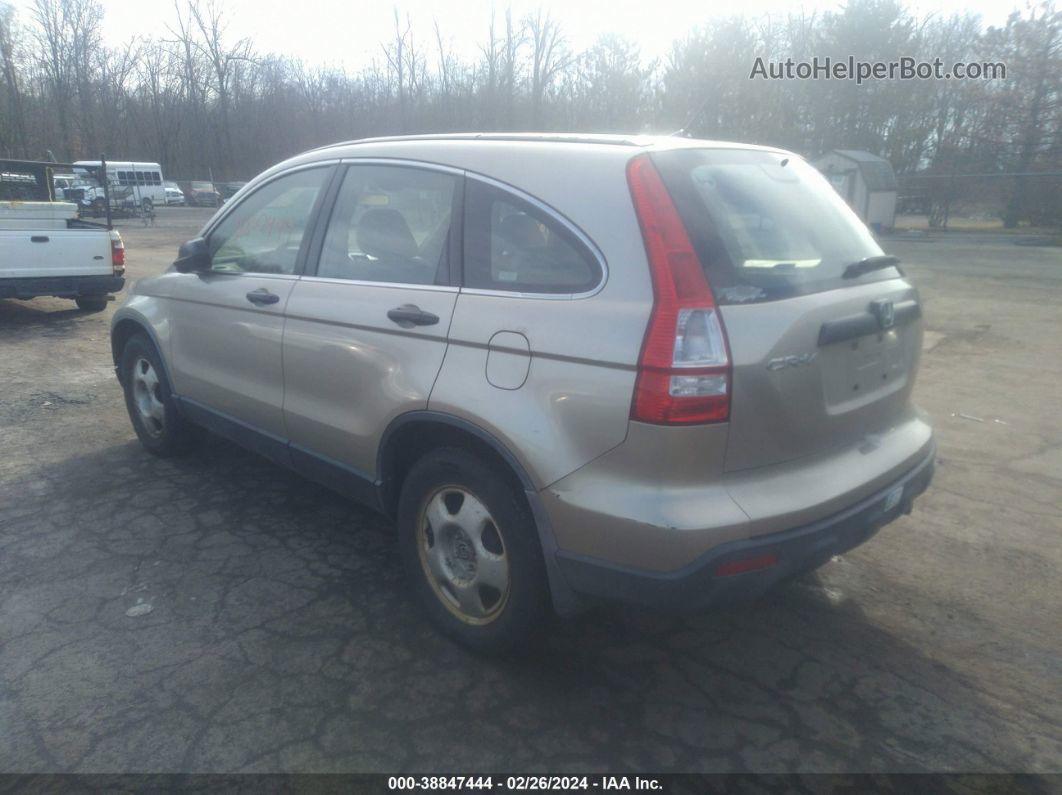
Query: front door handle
[
  {"x": 262, "y": 296},
  {"x": 410, "y": 315},
  {"x": 39, "y": 239}
]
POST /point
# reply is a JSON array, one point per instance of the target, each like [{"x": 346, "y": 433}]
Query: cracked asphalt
[{"x": 219, "y": 614}]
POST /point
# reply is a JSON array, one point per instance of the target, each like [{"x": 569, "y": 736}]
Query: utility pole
[{"x": 106, "y": 190}]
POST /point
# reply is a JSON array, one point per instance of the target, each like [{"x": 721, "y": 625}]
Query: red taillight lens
[
  {"x": 117, "y": 254},
  {"x": 655, "y": 400},
  {"x": 684, "y": 368}
]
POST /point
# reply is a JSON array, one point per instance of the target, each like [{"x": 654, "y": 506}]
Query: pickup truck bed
[{"x": 46, "y": 250}]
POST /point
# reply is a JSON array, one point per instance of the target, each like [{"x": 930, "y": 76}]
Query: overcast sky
[{"x": 346, "y": 33}]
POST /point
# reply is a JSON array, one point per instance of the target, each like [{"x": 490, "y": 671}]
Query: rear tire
[
  {"x": 149, "y": 400},
  {"x": 91, "y": 303},
  {"x": 471, "y": 552}
]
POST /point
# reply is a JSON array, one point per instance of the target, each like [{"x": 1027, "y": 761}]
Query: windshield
[{"x": 765, "y": 225}]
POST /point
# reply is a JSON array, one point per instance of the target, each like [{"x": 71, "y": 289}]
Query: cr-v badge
[{"x": 790, "y": 361}]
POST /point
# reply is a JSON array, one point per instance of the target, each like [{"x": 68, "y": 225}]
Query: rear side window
[
  {"x": 765, "y": 225},
  {"x": 390, "y": 224},
  {"x": 513, "y": 245}
]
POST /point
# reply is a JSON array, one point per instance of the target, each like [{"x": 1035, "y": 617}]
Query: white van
[{"x": 143, "y": 182}]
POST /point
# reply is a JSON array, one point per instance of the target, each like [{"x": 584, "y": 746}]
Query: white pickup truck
[{"x": 46, "y": 250}]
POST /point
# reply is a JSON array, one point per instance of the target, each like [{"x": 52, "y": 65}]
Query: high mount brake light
[{"x": 684, "y": 366}]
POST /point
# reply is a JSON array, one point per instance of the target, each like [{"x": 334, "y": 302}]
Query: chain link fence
[
  {"x": 203, "y": 191},
  {"x": 1032, "y": 198}
]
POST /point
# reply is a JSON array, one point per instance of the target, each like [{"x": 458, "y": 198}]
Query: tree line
[{"x": 201, "y": 101}]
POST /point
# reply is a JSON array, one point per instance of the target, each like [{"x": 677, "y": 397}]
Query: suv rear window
[{"x": 765, "y": 225}]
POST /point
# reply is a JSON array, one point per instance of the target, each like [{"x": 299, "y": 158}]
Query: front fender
[{"x": 142, "y": 313}]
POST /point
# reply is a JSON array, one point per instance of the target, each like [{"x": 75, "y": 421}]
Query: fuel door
[{"x": 508, "y": 360}]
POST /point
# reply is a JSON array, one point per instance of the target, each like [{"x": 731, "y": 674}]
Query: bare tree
[
  {"x": 201, "y": 101},
  {"x": 13, "y": 138},
  {"x": 401, "y": 63},
  {"x": 192, "y": 87},
  {"x": 549, "y": 56},
  {"x": 223, "y": 59},
  {"x": 54, "y": 57},
  {"x": 612, "y": 85},
  {"x": 1032, "y": 46}
]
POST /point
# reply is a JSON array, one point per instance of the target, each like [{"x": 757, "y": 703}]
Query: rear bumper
[
  {"x": 61, "y": 286},
  {"x": 795, "y": 551}
]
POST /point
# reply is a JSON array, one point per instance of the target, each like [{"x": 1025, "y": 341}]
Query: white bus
[{"x": 141, "y": 182}]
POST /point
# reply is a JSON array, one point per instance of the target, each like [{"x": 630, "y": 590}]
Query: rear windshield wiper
[{"x": 868, "y": 264}]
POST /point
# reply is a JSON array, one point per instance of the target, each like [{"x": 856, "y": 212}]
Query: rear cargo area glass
[{"x": 765, "y": 225}]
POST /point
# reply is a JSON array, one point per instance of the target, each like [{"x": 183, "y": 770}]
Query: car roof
[{"x": 491, "y": 154}]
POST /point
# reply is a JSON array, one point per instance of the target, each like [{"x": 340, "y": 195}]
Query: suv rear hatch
[{"x": 824, "y": 332}]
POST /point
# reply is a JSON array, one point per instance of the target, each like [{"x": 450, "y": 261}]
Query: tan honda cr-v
[{"x": 664, "y": 371}]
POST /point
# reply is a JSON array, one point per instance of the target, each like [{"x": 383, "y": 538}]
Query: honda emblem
[{"x": 885, "y": 312}]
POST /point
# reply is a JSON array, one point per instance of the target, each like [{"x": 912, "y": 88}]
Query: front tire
[
  {"x": 149, "y": 400},
  {"x": 471, "y": 552}
]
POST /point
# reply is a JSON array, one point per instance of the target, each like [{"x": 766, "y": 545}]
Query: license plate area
[
  {"x": 858, "y": 371},
  {"x": 872, "y": 360}
]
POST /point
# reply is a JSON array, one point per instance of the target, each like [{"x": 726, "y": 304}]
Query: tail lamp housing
[
  {"x": 684, "y": 366},
  {"x": 117, "y": 253}
]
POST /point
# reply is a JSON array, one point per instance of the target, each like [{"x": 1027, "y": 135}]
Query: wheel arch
[
  {"x": 415, "y": 433},
  {"x": 125, "y": 328}
]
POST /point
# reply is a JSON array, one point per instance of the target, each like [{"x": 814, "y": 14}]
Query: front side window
[
  {"x": 263, "y": 234},
  {"x": 515, "y": 246},
  {"x": 390, "y": 224}
]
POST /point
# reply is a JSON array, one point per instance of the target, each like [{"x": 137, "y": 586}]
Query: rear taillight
[
  {"x": 117, "y": 253},
  {"x": 684, "y": 367}
]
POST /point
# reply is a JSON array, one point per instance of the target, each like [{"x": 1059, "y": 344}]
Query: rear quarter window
[{"x": 513, "y": 245}]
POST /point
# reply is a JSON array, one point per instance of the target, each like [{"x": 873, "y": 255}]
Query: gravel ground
[{"x": 220, "y": 614}]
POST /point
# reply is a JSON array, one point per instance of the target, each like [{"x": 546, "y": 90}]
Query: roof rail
[{"x": 566, "y": 138}]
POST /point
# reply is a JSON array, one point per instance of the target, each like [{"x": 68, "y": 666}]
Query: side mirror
[{"x": 193, "y": 257}]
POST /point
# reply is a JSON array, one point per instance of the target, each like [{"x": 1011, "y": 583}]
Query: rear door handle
[
  {"x": 410, "y": 315},
  {"x": 39, "y": 239},
  {"x": 262, "y": 296}
]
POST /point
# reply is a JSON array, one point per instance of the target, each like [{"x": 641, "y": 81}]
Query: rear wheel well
[{"x": 410, "y": 442}]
